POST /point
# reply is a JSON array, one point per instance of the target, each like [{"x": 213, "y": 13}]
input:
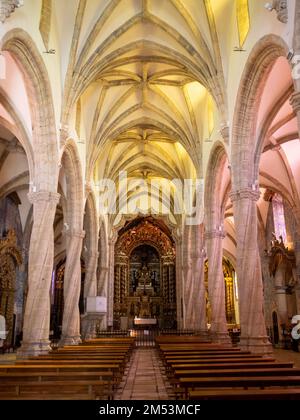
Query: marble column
[
  {"x": 72, "y": 286},
  {"x": 253, "y": 327},
  {"x": 216, "y": 286},
  {"x": 41, "y": 252}
]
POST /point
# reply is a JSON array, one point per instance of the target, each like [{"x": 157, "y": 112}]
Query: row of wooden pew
[
  {"x": 91, "y": 370},
  {"x": 204, "y": 371}
]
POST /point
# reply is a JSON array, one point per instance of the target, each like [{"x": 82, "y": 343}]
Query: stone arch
[
  {"x": 71, "y": 163},
  {"x": 25, "y": 52},
  {"x": 18, "y": 130},
  {"x": 258, "y": 67},
  {"x": 212, "y": 197}
]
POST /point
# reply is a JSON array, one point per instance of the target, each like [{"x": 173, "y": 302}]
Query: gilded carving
[
  {"x": 10, "y": 258},
  {"x": 145, "y": 288}
]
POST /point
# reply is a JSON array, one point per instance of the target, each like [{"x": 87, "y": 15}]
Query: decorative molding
[
  {"x": 245, "y": 193},
  {"x": 280, "y": 6},
  {"x": 145, "y": 233},
  {"x": 212, "y": 234},
  {"x": 281, "y": 9},
  {"x": 268, "y": 195},
  {"x": 7, "y": 7},
  {"x": 225, "y": 133},
  {"x": 35, "y": 197}
]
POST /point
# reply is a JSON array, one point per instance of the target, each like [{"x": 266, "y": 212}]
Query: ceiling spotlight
[{"x": 269, "y": 6}]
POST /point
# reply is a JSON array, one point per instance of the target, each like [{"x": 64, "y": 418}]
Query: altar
[{"x": 145, "y": 321}]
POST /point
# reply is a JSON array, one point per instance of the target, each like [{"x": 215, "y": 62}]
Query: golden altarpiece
[
  {"x": 10, "y": 259},
  {"x": 228, "y": 273},
  {"x": 145, "y": 280}
]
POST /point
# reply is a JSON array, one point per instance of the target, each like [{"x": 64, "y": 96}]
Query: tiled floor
[{"x": 145, "y": 379}]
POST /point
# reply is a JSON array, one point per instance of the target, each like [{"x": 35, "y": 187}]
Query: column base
[
  {"x": 70, "y": 341},
  {"x": 221, "y": 338},
  {"x": 33, "y": 348},
  {"x": 204, "y": 334},
  {"x": 89, "y": 324},
  {"x": 259, "y": 345}
]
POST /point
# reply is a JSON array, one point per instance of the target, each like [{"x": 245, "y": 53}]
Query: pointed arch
[
  {"x": 264, "y": 54},
  {"x": 25, "y": 52},
  {"x": 213, "y": 199},
  {"x": 71, "y": 163}
]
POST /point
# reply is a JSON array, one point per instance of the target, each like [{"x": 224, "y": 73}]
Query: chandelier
[{"x": 7, "y": 7}]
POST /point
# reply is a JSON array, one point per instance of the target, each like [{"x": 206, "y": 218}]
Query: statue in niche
[
  {"x": 145, "y": 307},
  {"x": 281, "y": 263},
  {"x": 144, "y": 278}
]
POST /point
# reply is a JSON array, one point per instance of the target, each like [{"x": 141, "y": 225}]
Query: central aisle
[{"x": 144, "y": 379}]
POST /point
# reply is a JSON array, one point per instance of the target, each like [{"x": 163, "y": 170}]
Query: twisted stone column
[
  {"x": 295, "y": 103},
  {"x": 37, "y": 311},
  {"x": 90, "y": 286},
  {"x": 216, "y": 286},
  {"x": 193, "y": 274},
  {"x": 179, "y": 286},
  {"x": 102, "y": 291},
  {"x": 72, "y": 285},
  {"x": 89, "y": 321},
  {"x": 253, "y": 328},
  {"x": 110, "y": 285}
]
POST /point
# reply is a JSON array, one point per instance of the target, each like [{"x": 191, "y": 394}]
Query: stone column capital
[
  {"x": 225, "y": 133},
  {"x": 73, "y": 233},
  {"x": 245, "y": 193},
  {"x": 214, "y": 233},
  {"x": 42, "y": 196},
  {"x": 295, "y": 101}
]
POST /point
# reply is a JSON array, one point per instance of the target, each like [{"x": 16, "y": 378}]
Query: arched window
[
  {"x": 278, "y": 216},
  {"x": 243, "y": 20}
]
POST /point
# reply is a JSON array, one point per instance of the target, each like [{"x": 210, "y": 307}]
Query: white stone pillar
[
  {"x": 216, "y": 286},
  {"x": 253, "y": 327},
  {"x": 37, "y": 312},
  {"x": 72, "y": 286},
  {"x": 295, "y": 103},
  {"x": 90, "y": 286},
  {"x": 110, "y": 285},
  {"x": 102, "y": 291},
  {"x": 193, "y": 275},
  {"x": 179, "y": 286},
  {"x": 89, "y": 321}
]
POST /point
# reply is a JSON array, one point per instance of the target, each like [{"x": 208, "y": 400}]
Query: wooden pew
[
  {"x": 242, "y": 394},
  {"x": 241, "y": 382},
  {"x": 246, "y": 365},
  {"x": 236, "y": 372},
  {"x": 49, "y": 389}
]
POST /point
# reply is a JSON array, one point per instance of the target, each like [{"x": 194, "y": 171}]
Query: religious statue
[
  {"x": 144, "y": 278},
  {"x": 145, "y": 310}
]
